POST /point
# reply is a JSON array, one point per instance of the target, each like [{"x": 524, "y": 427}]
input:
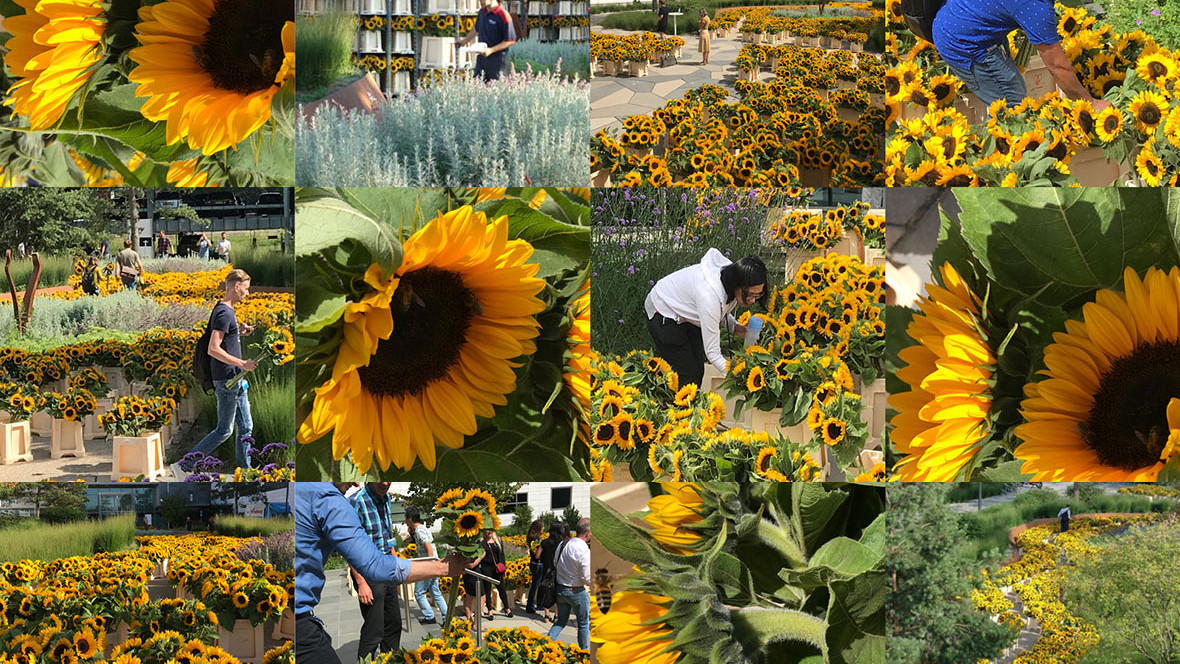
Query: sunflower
[
  {"x": 241, "y": 600},
  {"x": 875, "y": 474},
  {"x": 764, "y": 463},
  {"x": 469, "y": 524},
  {"x": 632, "y": 631},
  {"x": 755, "y": 381},
  {"x": 187, "y": 173},
  {"x": 833, "y": 430},
  {"x": 1110, "y": 402},
  {"x": 668, "y": 515},
  {"x": 1149, "y": 109},
  {"x": 605, "y": 433},
  {"x": 1158, "y": 67},
  {"x": 686, "y": 394},
  {"x": 85, "y": 644},
  {"x": 431, "y": 347},
  {"x": 211, "y": 67},
  {"x": 1150, "y": 168},
  {"x": 944, "y": 414},
  {"x": 1108, "y": 124},
  {"x": 54, "y": 50}
]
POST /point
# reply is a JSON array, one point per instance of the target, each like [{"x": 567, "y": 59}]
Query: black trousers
[
  {"x": 488, "y": 67},
  {"x": 383, "y": 621},
  {"x": 681, "y": 345},
  {"x": 313, "y": 645}
]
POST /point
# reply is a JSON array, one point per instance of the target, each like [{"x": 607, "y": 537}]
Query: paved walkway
[
  {"x": 96, "y": 466},
  {"x": 339, "y": 610}
]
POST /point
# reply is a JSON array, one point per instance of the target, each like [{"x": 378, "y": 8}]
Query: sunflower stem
[
  {"x": 776, "y": 538},
  {"x": 765, "y": 626}
]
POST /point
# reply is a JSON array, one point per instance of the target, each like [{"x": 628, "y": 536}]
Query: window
[
  {"x": 561, "y": 497},
  {"x": 510, "y": 506}
]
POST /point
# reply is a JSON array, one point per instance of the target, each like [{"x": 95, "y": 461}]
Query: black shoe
[{"x": 426, "y": 621}]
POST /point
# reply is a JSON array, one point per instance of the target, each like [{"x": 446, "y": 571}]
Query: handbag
[
  {"x": 128, "y": 271},
  {"x": 547, "y": 591},
  {"x": 501, "y": 568}
]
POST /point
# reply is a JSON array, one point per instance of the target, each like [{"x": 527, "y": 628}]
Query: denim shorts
[{"x": 994, "y": 77}]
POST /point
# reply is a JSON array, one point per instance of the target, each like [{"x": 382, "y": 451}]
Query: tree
[
  {"x": 522, "y": 518},
  {"x": 174, "y": 509},
  {"x": 1130, "y": 591},
  {"x": 424, "y": 494},
  {"x": 52, "y": 502},
  {"x": 52, "y": 219},
  {"x": 571, "y": 516},
  {"x": 930, "y": 618}
]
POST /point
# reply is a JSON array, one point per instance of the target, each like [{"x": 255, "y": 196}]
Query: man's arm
[
  {"x": 467, "y": 38},
  {"x": 584, "y": 564},
  {"x": 218, "y": 353},
  {"x": 1066, "y": 77}
]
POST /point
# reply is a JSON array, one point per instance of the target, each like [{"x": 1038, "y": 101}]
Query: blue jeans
[
  {"x": 130, "y": 285},
  {"x": 994, "y": 77},
  {"x": 577, "y": 601},
  {"x": 421, "y": 590},
  {"x": 233, "y": 404}
]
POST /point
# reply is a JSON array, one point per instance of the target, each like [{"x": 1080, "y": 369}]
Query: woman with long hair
[
  {"x": 532, "y": 540},
  {"x": 703, "y": 40},
  {"x": 557, "y": 534}
]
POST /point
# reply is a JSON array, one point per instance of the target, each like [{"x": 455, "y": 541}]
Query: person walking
[
  {"x": 203, "y": 246},
  {"x": 1066, "y": 515},
  {"x": 426, "y": 589},
  {"x": 129, "y": 266},
  {"x": 380, "y": 610},
  {"x": 573, "y": 575},
  {"x": 163, "y": 246},
  {"x": 557, "y": 534},
  {"x": 686, "y": 308},
  {"x": 662, "y": 19},
  {"x": 703, "y": 41},
  {"x": 532, "y": 540},
  {"x": 972, "y": 38},
  {"x": 223, "y": 248},
  {"x": 90, "y": 276},
  {"x": 493, "y": 27},
  {"x": 225, "y": 363},
  {"x": 326, "y": 522}
]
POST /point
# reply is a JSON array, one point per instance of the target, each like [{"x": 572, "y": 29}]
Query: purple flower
[
  {"x": 651, "y": 282},
  {"x": 630, "y": 269},
  {"x": 621, "y": 320},
  {"x": 1155, "y": 12},
  {"x": 622, "y": 242}
]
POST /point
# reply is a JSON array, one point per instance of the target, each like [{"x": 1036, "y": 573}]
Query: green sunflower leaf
[
  {"x": 557, "y": 246},
  {"x": 620, "y": 537},
  {"x": 323, "y": 222},
  {"x": 404, "y": 210},
  {"x": 856, "y": 620},
  {"x": 1062, "y": 244},
  {"x": 115, "y": 113},
  {"x": 1172, "y": 203},
  {"x": 317, "y": 307}
]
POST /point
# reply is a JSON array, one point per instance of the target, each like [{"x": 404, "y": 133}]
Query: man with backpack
[
  {"x": 573, "y": 575},
  {"x": 972, "y": 38},
  {"x": 224, "y": 358}
]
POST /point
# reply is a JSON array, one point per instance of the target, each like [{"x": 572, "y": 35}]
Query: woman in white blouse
[{"x": 685, "y": 311}]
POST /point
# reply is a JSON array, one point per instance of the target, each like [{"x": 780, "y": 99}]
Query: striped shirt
[{"x": 373, "y": 512}]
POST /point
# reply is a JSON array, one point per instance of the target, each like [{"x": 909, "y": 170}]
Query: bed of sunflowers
[
  {"x": 804, "y": 403},
  {"x": 940, "y": 135},
  {"x": 86, "y": 390},
  {"x": 1035, "y": 579},
  {"x": 817, "y": 121},
  {"x": 113, "y": 607},
  {"x": 179, "y": 93}
]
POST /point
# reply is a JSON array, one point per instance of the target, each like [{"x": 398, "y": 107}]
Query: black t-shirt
[
  {"x": 225, "y": 321},
  {"x": 494, "y": 27},
  {"x": 663, "y": 15}
]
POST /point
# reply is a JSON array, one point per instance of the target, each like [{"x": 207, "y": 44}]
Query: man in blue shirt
[
  {"x": 326, "y": 522},
  {"x": 225, "y": 363},
  {"x": 972, "y": 37},
  {"x": 494, "y": 27},
  {"x": 380, "y": 609}
]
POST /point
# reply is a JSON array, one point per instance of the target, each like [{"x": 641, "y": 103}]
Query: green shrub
[
  {"x": 543, "y": 57},
  {"x": 55, "y": 271},
  {"x": 266, "y": 265},
  {"x": 80, "y": 538},
  {"x": 1132, "y": 15},
  {"x": 323, "y": 47},
  {"x": 249, "y": 526},
  {"x": 63, "y": 321}
]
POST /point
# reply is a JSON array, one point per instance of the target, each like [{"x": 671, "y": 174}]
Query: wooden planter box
[
  {"x": 637, "y": 67},
  {"x": 750, "y": 75},
  {"x": 873, "y": 398},
  {"x": 284, "y": 627},
  {"x": 1092, "y": 169},
  {"x": 138, "y": 455},
  {"x": 362, "y": 94},
  {"x": 67, "y": 440},
  {"x": 610, "y": 67},
  {"x": 815, "y": 177},
  {"x": 712, "y": 380},
  {"x": 369, "y": 41},
  {"x": 245, "y": 642},
  {"x": 600, "y": 178},
  {"x": 41, "y": 424},
  {"x": 117, "y": 637},
  {"x": 847, "y": 114},
  {"x": 768, "y": 421},
  {"x": 16, "y": 440}
]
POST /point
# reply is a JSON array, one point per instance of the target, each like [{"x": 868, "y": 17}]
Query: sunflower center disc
[
  {"x": 1128, "y": 424},
  {"x": 243, "y": 47},
  {"x": 432, "y": 312}
]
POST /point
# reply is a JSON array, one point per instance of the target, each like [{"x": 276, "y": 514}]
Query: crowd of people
[{"x": 357, "y": 520}]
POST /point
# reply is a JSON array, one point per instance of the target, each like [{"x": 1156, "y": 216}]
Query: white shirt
[
  {"x": 223, "y": 248},
  {"x": 422, "y": 537},
  {"x": 1065, "y": 512},
  {"x": 695, "y": 295},
  {"x": 573, "y": 568}
]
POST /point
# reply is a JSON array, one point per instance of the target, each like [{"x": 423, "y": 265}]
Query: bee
[
  {"x": 602, "y": 589},
  {"x": 473, "y": 304},
  {"x": 406, "y": 296},
  {"x": 267, "y": 64}
]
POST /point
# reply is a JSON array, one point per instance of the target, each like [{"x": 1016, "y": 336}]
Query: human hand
[
  {"x": 247, "y": 330},
  {"x": 365, "y": 593},
  {"x": 1100, "y": 105},
  {"x": 249, "y": 365},
  {"x": 457, "y": 563},
  {"x": 739, "y": 330}
]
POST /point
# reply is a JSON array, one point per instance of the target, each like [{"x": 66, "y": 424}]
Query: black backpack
[
  {"x": 919, "y": 16},
  {"x": 200, "y": 367}
]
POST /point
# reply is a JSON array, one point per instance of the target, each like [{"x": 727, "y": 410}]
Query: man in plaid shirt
[{"x": 378, "y": 600}]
